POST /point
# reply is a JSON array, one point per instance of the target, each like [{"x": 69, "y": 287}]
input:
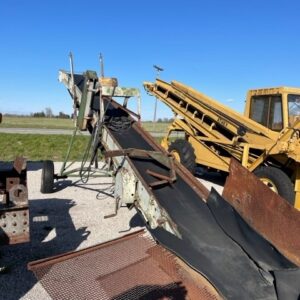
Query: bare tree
[{"x": 48, "y": 112}]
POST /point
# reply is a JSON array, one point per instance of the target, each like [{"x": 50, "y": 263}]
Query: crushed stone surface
[{"x": 69, "y": 219}]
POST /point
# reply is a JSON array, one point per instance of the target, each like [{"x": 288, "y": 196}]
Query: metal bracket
[
  {"x": 164, "y": 159},
  {"x": 116, "y": 209}
]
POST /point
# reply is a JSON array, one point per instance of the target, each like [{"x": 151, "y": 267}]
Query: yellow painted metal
[
  {"x": 218, "y": 133},
  {"x": 175, "y": 155},
  {"x": 285, "y": 110},
  {"x": 284, "y": 91},
  {"x": 215, "y": 110},
  {"x": 165, "y": 143},
  {"x": 297, "y": 188},
  {"x": 204, "y": 154},
  {"x": 270, "y": 184},
  {"x": 245, "y": 157},
  {"x": 208, "y": 156}
]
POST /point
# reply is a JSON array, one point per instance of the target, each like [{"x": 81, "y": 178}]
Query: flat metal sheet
[
  {"x": 132, "y": 267},
  {"x": 269, "y": 214}
]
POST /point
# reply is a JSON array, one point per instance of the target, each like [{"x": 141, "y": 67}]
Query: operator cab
[
  {"x": 293, "y": 108},
  {"x": 274, "y": 108}
]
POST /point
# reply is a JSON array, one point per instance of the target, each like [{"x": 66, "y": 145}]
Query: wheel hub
[
  {"x": 175, "y": 155},
  {"x": 270, "y": 184}
]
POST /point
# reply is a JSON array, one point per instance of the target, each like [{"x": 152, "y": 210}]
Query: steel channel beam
[{"x": 143, "y": 197}]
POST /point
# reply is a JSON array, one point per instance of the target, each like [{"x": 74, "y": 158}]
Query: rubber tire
[
  {"x": 186, "y": 153},
  {"x": 47, "y": 180},
  {"x": 282, "y": 182}
]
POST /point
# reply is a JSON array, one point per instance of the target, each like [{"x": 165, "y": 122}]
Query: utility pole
[
  {"x": 73, "y": 88},
  {"x": 158, "y": 70},
  {"x": 101, "y": 65}
]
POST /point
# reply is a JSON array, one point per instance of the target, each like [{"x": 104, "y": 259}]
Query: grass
[
  {"x": 30, "y": 122},
  {"x": 156, "y": 127},
  {"x": 40, "y": 147},
  {"x": 53, "y": 147},
  {"x": 53, "y": 123}
]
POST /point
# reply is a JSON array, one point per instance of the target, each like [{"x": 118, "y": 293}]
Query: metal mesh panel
[{"x": 133, "y": 267}]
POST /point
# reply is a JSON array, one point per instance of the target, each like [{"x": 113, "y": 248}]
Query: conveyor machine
[{"x": 197, "y": 244}]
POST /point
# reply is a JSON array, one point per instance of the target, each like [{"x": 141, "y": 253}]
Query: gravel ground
[{"x": 72, "y": 218}]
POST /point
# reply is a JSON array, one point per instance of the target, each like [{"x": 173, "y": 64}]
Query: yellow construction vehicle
[{"x": 265, "y": 139}]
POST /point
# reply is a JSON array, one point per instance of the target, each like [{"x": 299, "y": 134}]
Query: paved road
[{"x": 54, "y": 131}]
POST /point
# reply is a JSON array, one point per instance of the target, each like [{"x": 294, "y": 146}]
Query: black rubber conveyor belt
[{"x": 217, "y": 252}]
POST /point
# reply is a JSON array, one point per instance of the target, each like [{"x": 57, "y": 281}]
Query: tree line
[
  {"x": 46, "y": 113},
  {"x": 165, "y": 120}
]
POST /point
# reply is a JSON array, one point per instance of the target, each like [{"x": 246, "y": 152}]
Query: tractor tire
[
  {"x": 183, "y": 151},
  {"x": 278, "y": 181},
  {"x": 47, "y": 180}
]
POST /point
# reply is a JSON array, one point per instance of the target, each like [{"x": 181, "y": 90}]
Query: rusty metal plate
[
  {"x": 132, "y": 267},
  {"x": 19, "y": 164},
  {"x": 269, "y": 214},
  {"x": 14, "y": 210},
  {"x": 14, "y": 226}
]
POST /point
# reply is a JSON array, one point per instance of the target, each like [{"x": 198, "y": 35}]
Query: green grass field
[
  {"x": 156, "y": 127},
  {"x": 40, "y": 147},
  {"x": 53, "y": 123},
  {"x": 53, "y": 147},
  {"x": 30, "y": 122}
]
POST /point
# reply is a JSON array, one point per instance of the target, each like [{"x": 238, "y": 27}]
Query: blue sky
[{"x": 221, "y": 48}]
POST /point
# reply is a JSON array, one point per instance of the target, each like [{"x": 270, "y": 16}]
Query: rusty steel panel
[
  {"x": 14, "y": 211},
  {"x": 269, "y": 214},
  {"x": 19, "y": 164},
  {"x": 131, "y": 267}
]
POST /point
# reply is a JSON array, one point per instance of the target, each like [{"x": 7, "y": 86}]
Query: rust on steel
[
  {"x": 141, "y": 268},
  {"x": 161, "y": 157},
  {"x": 160, "y": 176},
  {"x": 19, "y": 164},
  {"x": 269, "y": 214},
  {"x": 14, "y": 209},
  {"x": 186, "y": 175}
]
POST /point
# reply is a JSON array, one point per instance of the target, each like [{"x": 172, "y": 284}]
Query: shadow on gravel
[
  {"x": 52, "y": 232},
  {"x": 137, "y": 221},
  {"x": 60, "y": 185},
  {"x": 104, "y": 190}
]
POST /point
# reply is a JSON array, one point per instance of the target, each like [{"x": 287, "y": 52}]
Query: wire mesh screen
[{"x": 132, "y": 267}]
